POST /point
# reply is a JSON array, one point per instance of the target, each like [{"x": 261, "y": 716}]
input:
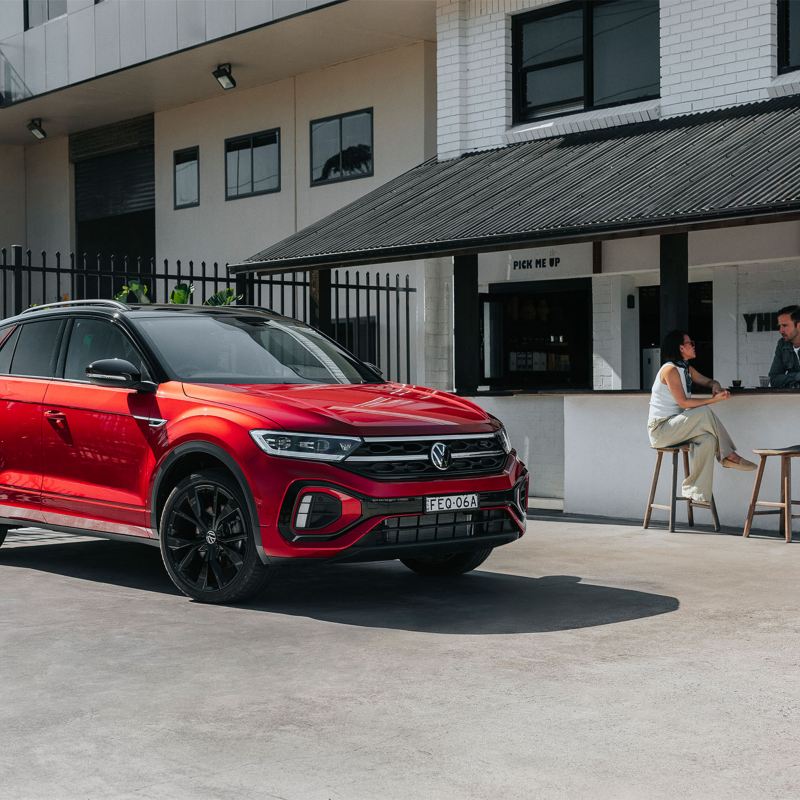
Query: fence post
[
  {"x": 16, "y": 257},
  {"x": 244, "y": 288},
  {"x": 319, "y": 296}
]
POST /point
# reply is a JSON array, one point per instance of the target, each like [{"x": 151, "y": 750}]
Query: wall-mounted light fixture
[
  {"x": 224, "y": 76},
  {"x": 35, "y": 127}
]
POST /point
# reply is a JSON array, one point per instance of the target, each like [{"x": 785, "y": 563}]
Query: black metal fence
[{"x": 373, "y": 314}]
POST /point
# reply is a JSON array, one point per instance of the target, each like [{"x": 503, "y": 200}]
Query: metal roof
[{"x": 699, "y": 169}]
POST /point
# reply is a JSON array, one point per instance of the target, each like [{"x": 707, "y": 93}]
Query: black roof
[{"x": 737, "y": 163}]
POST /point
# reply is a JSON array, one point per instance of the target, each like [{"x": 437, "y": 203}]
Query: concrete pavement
[{"x": 587, "y": 660}]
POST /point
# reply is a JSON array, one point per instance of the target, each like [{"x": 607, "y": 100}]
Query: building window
[
  {"x": 584, "y": 55},
  {"x": 253, "y": 164},
  {"x": 187, "y": 177},
  {"x": 788, "y": 35},
  {"x": 341, "y": 147},
  {"x": 37, "y": 12}
]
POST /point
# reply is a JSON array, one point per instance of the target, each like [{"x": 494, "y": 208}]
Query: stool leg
[
  {"x": 689, "y": 505},
  {"x": 783, "y": 495},
  {"x": 754, "y": 498},
  {"x": 787, "y": 493},
  {"x": 649, "y": 511},
  {"x": 673, "y": 501},
  {"x": 714, "y": 514}
]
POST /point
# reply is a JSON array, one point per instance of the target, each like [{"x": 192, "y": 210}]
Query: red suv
[{"x": 234, "y": 438}]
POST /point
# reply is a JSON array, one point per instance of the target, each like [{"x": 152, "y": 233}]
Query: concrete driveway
[{"x": 587, "y": 660}]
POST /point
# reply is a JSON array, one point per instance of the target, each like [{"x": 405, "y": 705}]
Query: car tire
[
  {"x": 447, "y": 564},
  {"x": 3, "y": 532},
  {"x": 208, "y": 542}
]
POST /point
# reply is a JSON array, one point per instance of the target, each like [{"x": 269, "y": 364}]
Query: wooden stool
[
  {"x": 683, "y": 447},
  {"x": 784, "y": 507}
]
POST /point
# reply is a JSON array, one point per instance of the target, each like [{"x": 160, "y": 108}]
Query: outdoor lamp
[
  {"x": 224, "y": 76},
  {"x": 35, "y": 127}
]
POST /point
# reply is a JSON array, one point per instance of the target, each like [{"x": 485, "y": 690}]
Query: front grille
[
  {"x": 409, "y": 458},
  {"x": 441, "y": 527}
]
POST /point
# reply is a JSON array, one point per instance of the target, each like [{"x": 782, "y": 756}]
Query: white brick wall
[
  {"x": 606, "y": 333},
  {"x": 714, "y": 53},
  {"x": 438, "y": 324}
]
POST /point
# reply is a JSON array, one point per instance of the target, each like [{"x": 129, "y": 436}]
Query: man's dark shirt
[{"x": 785, "y": 370}]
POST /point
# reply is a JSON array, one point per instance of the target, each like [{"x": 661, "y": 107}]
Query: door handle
[{"x": 58, "y": 418}]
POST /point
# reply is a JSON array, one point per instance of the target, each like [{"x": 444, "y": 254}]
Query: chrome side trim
[
  {"x": 429, "y": 438},
  {"x": 152, "y": 422}
]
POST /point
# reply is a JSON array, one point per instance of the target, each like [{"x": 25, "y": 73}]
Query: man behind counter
[{"x": 785, "y": 370}]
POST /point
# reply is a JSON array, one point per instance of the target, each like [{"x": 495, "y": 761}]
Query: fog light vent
[{"x": 317, "y": 510}]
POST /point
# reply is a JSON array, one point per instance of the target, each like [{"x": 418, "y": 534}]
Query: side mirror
[{"x": 117, "y": 372}]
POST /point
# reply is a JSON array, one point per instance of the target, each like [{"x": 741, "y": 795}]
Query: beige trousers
[{"x": 707, "y": 437}]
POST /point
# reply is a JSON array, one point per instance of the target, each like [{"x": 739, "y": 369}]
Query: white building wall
[
  {"x": 49, "y": 193},
  {"x": 712, "y": 55},
  {"x": 12, "y": 197},
  {"x": 232, "y": 230}
]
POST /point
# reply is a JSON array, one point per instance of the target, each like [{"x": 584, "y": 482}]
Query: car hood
[{"x": 369, "y": 409}]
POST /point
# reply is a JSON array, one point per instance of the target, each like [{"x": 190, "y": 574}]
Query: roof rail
[{"x": 67, "y": 303}]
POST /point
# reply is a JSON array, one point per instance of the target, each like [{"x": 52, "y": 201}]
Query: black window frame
[
  {"x": 783, "y": 39},
  {"x": 340, "y": 117},
  {"x": 249, "y": 137},
  {"x": 520, "y": 115},
  {"x": 66, "y": 338},
  {"x": 54, "y": 355},
  {"x": 183, "y": 151},
  {"x": 27, "y": 16}
]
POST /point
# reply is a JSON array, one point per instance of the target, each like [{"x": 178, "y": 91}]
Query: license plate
[{"x": 451, "y": 502}]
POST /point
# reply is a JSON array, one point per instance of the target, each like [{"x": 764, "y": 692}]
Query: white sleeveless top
[{"x": 662, "y": 403}]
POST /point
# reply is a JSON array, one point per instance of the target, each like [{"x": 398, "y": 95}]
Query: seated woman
[{"x": 676, "y": 417}]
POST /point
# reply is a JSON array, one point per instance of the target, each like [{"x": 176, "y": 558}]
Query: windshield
[{"x": 247, "y": 349}]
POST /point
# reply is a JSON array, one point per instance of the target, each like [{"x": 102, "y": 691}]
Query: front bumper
[{"x": 393, "y": 522}]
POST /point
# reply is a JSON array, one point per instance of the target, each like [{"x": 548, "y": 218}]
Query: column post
[{"x": 466, "y": 330}]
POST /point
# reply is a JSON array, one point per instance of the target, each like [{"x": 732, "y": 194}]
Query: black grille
[
  {"x": 411, "y": 447},
  {"x": 486, "y": 457},
  {"x": 441, "y": 527}
]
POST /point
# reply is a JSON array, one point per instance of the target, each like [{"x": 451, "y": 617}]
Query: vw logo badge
[
  {"x": 441, "y": 457},
  {"x": 211, "y": 537}
]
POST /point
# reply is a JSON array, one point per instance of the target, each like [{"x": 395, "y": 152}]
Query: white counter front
[
  {"x": 592, "y": 449},
  {"x": 608, "y": 462}
]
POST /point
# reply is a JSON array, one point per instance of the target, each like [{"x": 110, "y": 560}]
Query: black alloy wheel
[
  {"x": 447, "y": 563},
  {"x": 207, "y": 541}
]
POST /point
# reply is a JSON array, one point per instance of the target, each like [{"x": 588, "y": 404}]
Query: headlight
[
  {"x": 304, "y": 445},
  {"x": 504, "y": 440}
]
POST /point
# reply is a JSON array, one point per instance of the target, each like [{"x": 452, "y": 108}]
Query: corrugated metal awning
[{"x": 698, "y": 170}]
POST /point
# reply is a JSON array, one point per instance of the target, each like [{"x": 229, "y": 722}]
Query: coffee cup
[{"x": 737, "y": 384}]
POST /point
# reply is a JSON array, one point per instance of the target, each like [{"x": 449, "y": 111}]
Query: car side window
[
  {"x": 93, "y": 339},
  {"x": 35, "y": 352},
  {"x": 8, "y": 340}
]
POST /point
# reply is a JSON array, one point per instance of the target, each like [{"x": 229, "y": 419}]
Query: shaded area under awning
[{"x": 695, "y": 171}]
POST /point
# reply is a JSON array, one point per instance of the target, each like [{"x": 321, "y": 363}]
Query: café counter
[{"x": 591, "y": 448}]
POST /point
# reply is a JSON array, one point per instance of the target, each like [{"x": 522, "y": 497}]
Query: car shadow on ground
[{"x": 378, "y": 595}]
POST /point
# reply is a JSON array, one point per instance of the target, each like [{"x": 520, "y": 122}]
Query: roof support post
[
  {"x": 674, "y": 249},
  {"x": 320, "y": 300},
  {"x": 245, "y": 288},
  {"x": 466, "y": 329}
]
